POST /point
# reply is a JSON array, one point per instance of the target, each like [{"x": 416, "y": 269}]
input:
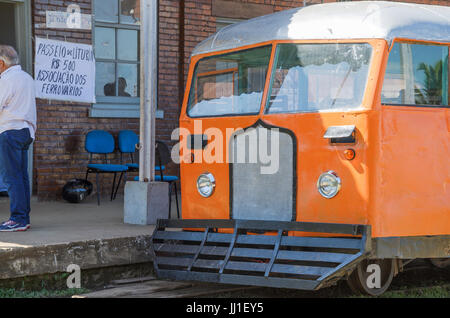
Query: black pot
[{"x": 76, "y": 190}]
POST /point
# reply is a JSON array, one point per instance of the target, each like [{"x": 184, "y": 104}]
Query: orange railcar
[{"x": 352, "y": 176}]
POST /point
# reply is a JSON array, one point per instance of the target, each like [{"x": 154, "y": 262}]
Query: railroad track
[
  {"x": 151, "y": 287},
  {"x": 417, "y": 278}
]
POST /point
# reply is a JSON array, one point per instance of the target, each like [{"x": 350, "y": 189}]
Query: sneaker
[{"x": 11, "y": 226}]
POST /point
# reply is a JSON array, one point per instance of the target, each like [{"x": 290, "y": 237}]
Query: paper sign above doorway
[
  {"x": 64, "y": 71},
  {"x": 61, "y": 20},
  {"x": 71, "y": 19}
]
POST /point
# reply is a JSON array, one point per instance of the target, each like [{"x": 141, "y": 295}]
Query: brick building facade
[{"x": 58, "y": 152}]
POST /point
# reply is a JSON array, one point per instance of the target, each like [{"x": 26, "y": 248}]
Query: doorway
[
  {"x": 15, "y": 30},
  {"x": 7, "y": 19}
]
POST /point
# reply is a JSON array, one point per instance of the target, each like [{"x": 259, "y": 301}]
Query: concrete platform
[{"x": 62, "y": 233}]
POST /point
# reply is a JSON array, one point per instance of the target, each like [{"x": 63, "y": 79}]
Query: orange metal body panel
[
  {"x": 384, "y": 185},
  {"x": 413, "y": 192}
]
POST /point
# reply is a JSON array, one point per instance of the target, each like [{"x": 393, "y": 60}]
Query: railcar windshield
[
  {"x": 318, "y": 77},
  {"x": 229, "y": 84}
]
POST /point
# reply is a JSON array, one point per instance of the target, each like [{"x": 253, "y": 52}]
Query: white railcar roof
[{"x": 344, "y": 20}]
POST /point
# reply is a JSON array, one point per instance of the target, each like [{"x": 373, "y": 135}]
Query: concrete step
[{"x": 62, "y": 234}]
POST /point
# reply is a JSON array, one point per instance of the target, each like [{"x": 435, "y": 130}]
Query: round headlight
[
  {"x": 329, "y": 184},
  {"x": 206, "y": 184}
]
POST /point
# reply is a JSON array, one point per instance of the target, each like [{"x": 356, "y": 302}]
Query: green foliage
[
  {"x": 43, "y": 293},
  {"x": 431, "y": 94},
  {"x": 430, "y": 292}
]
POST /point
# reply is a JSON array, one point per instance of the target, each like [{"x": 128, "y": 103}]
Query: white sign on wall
[
  {"x": 71, "y": 19},
  {"x": 64, "y": 71},
  {"x": 65, "y": 20}
]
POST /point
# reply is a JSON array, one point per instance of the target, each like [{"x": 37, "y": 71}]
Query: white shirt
[{"x": 17, "y": 101}]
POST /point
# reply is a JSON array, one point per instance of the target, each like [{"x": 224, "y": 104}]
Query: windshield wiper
[{"x": 341, "y": 87}]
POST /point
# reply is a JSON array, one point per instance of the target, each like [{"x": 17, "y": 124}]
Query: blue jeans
[
  {"x": 14, "y": 146},
  {"x": 3, "y": 187}
]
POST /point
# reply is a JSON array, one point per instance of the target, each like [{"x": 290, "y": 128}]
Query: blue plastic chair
[
  {"x": 128, "y": 140},
  {"x": 102, "y": 142}
]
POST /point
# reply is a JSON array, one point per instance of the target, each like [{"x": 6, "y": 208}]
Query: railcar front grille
[{"x": 263, "y": 174}]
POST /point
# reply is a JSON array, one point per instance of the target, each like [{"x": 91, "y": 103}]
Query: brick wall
[
  {"x": 169, "y": 72},
  {"x": 59, "y": 152}
]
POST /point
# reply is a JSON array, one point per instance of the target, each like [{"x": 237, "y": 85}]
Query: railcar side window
[
  {"x": 416, "y": 74},
  {"x": 229, "y": 84},
  {"x": 319, "y": 77}
]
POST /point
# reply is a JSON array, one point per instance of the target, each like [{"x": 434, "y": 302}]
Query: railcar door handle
[{"x": 197, "y": 142}]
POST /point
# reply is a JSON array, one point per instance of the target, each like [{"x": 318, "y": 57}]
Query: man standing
[{"x": 17, "y": 131}]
